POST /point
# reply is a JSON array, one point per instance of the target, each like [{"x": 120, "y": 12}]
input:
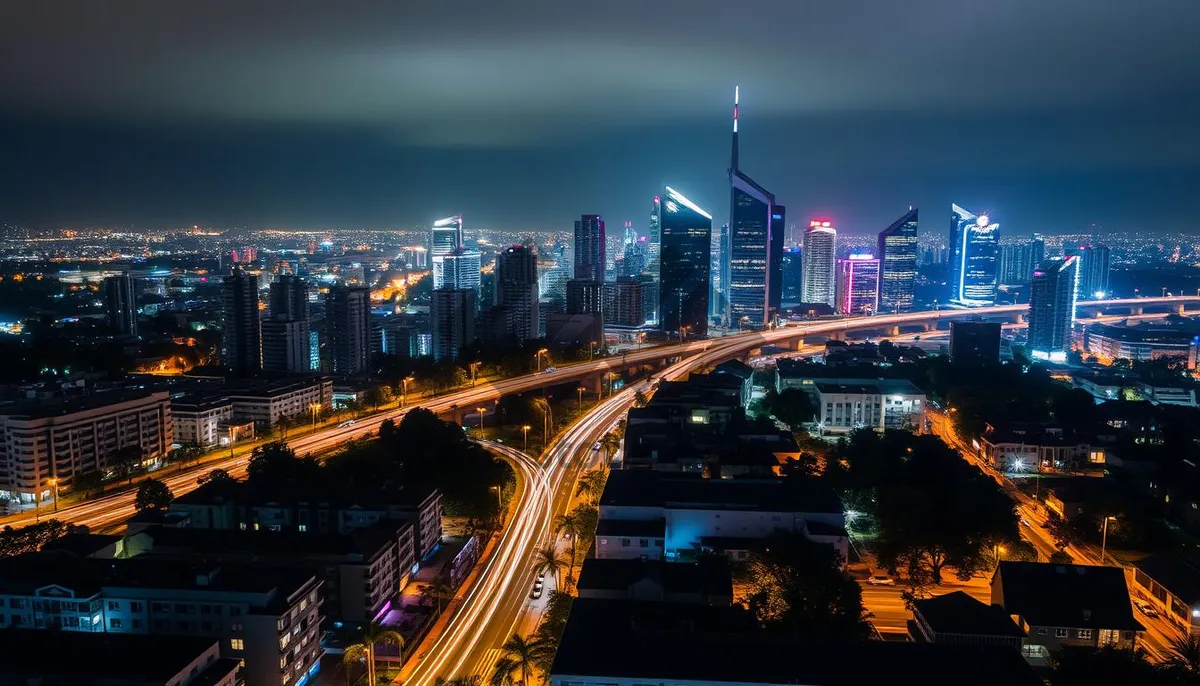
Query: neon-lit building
[
  {"x": 974, "y": 258},
  {"x": 1052, "y": 308},
  {"x": 820, "y": 254},
  {"x": 898, "y": 263},
  {"x": 857, "y": 285},
  {"x": 686, "y": 262},
  {"x": 446, "y": 238},
  {"x": 753, "y": 255},
  {"x": 653, "y": 272}
]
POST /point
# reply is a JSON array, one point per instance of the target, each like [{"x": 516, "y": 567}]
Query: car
[
  {"x": 596, "y": 448},
  {"x": 537, "y": 590},
  {"x": 1023, "y": 522},
  {"x": 881, "y": 580},
  {"x": 345, "y": 424},
  {"x": 1146, "y": 608},
  {"x": 551, "y": 369}
]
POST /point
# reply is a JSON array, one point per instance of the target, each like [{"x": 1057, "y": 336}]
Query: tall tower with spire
[{"x": 753, "y": 257}]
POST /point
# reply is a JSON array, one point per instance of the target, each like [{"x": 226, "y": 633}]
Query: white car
[
  {"x": 881, "y": 580},
  {"x": 1146, "y": 608},
  {"x": 346, "y": 424},
  {"x": 596, "y": 448},
  {"x": 537, "y": 590}
]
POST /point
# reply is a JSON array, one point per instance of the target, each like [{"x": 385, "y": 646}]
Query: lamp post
[
  {"x": 314, "y": 408},
  {"x": 231, "y": 440},
  {"x": 1104, "y": 537},
  {"x": 54, "y": 485},
  {"x": 474, "y": 367},
  {"x": 481, "y": 410},
  {"x": 580, "y": 401},
  {"x": 499, "y": 504},
  {"x": 404, "y": 388},
  {"x": 537, "y": 357},
  {"x": 525, "y": 430}
]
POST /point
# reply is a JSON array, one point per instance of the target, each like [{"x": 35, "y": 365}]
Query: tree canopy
[{"x": 153, "y": 495}]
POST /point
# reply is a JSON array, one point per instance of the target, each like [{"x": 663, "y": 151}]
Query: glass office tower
[
  {"x": 897, "y": 251},
  {"x": 686, "y": 231},
  {"x": 447, "y": 237},
  {"x": 1052, "y": 308},
  {"x": 974, "y": 259},
  {"x": 820, "y": 252}
]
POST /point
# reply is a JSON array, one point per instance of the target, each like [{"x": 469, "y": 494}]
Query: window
[
  {"x": 1041, "y": 631},
  {"x": 114, "y": 605},
  {"x": 114, "y": 623},
  {"x": 1085, "y": 633},
  {"x": 302, "y": 527},
  {"x": 135, "y": 607},
  {"x": 235, "y": 612},
  {"x": 642, "y": 542},
  {"x": 237, "y": 644},
  {"x": 1060, "y": 633},
  {"x": 624, "y": 542},
  {"x": 235, "y": 627}
]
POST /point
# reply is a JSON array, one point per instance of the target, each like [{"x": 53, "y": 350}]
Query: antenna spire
[{"x": 733, "y": 164}]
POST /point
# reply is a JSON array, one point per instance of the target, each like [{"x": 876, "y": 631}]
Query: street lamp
[
  {"x": 537, "y": 357},
  {"x": 481, "y": 410},
  {"x": 580, "y": 401},
  {"x": 314, "y": 408},
  {"x": 499, "y": 503},
  {"x": 474, "y": 367},
  {"x": 525, "y": 430},
  {"x": 1104, "y": 537},
  {"x": 54, "y": 485},
  {"x": 404, "y": 388}
]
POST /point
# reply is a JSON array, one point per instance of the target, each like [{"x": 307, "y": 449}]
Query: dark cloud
[{"x": 878, "y": 94}]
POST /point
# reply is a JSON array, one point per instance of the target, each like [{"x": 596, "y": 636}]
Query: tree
[
  {"x": 153, "y": 495},
  {"x": 31, "y": 538},
  {"x": 547, "y": 560},
  {"x": 376, "y": 396},
  {"x": 364, "y": 649},
  {"x": 471, "y": 680},
  {"x": 1061, "y": 557},
  {"x": 185, "y": 454},
  {"x": 520, "y": 655},
  {"x": 569, "y": 524},
  {"x": 1062, "y": 531},
  {"x": 126, "y": 462},
  {"x": 276, "y": 461},
  {"x": 792, "y": 407},
  {"x": 640, "y": 399},
  {"x": 439, "y": 591},
  {"x": 611, "y": 444},
  {"x": 87, "y": 482},
  {"x": 1184, "y": 652},
  {"x": 590, "y": 485},
  {"x": 217, "y": 475},
  {"x": 1084, "y": 666},
  {"x": 797, "y": 587}
]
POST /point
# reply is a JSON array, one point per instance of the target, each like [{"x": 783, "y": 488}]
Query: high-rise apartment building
[
  {"x": 288, "y": 298},
  {"x": 348, "y": 329},
  {"x": 897, "y": 251},
  {"x": 857, "y": 285},
  {"x": 820, "y": 254},
  {"x": 452, "y": 312},
  {"x": 685, "y": 263},
  {"x": 461, "y": 269},
  {"x": 718, "y": 272},
  {"x": 241, "y": 340},
  {"x": 975, "y": 258},
  {"x": 516, "y": 288},
  {"x": 584, "y": 296},
  {"x": 285, "y": 334},
  {"x": 1018, "y": 260},
  {"x": 754, "y": 247},
  {"x": 623, "y": 302},
  {"x": 589, "y": 248},
  {"x": 120, "y": 301},
  {"x": 1093, "y": 271},
  {"x": 446, "y": 238},
  {"x": 793, "y": 277},
  {"x": 1052, "y": 308},
  {"x": 653, "y": 272}
]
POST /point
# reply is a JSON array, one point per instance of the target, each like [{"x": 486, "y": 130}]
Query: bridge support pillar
[
  {"x": 928, "y": 326},
  {"x": 798, "y": 344},
  {"x": 837, "y": 336},
  {"x": 894, "y": 331},
  {"x": 1179, "y": 309},
  {"x": 1136, "y": 311},
  {"x": 1018, "y": 319},
  {"x": 594, "y": 384}
]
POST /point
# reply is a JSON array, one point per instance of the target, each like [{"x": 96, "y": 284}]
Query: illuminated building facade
[
  {"x": 820, "y": 254},
  {"x": 447, "y": 237},
  {"x": 589, "y": 248},
  {"x": 686, "y": 232},
  {"x": 650, "y": 285},
  {"x": 897, "y": 251},
  {"x": 974, "y": 258},
  {"x": 1052, "y": 308},
  {"x": 857, "y": 285}
]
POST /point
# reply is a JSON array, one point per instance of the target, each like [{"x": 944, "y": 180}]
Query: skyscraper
[
  {"x": 719, "y": 275},
  {"x": 447, "y": 237},
  {"x": 685, "y": 262},
  {"x": 857, "y": 285},
  {"x": 1093, "y": 271},
  {"x": 623, "y": 302},
  {"x": 288, "y": 298},
  {"x": 120, "y": 300},
  {"x": 897, "y": 253},
  {"x": 241, "y": 341},
  {"x": 820, "y": 251},
  {"x": 775, "y": 267},
  {"x": 517, "y": 290},
  {"x": 753, "y": 252},
  {"x": 285, "y": 334},
  {"x": 589, "y": 248},
  {"x": 348, "y": 329},
  {"x": 793, "y": 277},
  {"x": 453, "y": 313},
  {"x": 1018, "y": 260},
  {"x": 650, "y": 285},
  {"x": 975, "y": 258},
  {"x": 461, "y": 269},
  {"x": 1052, "y": 308}
]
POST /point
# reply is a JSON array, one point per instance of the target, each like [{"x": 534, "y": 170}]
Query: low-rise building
[
  {"x": 1147, "y": 341},
  {"x": 844, "y": 405},
  {"x": 707, "y": 581},
  {"x": 1038, "y": 448},
  {"x": 111, "y": 659},
  {"x": 652, "y": 515},
  {"x": 1066, "y": 605},
  {"x": 264, "y": 403},
  {"x": 269, "y": 617},
  {"x": 1171, "y": 583},
  {"x": 957, "y": 618},
  {"x": 44, "y": 445},
  {"x": 199, "y": 419}
]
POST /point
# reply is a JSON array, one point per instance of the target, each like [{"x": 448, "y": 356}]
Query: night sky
[{"x": 1049, "y": 114}]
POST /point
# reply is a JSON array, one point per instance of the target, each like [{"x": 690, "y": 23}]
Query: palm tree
[
  {"x": 1184, "y": 652},
  {"x": 471, "y": 680},
  {"x": 502, "y": 672},
  {"x": 548, "y": 560},
  {"x": 520, "y": 654},
  {"x": 568, "y": 524},
  {"x": 439, "y": 590},
  {"x": 372, "y": 635},
  {"x": 611, "y": 444},
  {"x": 590, "y": 486}
]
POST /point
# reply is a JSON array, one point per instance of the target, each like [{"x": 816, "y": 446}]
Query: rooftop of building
[
  {"x": 873, "y": 386},
  {"x": 710, "y": 576},
  {"x": 1177, "y": 333},
  {"x": 25, "y": 574},
  {"x": 199, "y": 402},
  {"x": 83, "y": 544},
  {"x": 41, "y": 409},
  {"x": 632, "y": 528},
  {"x": 659, "y": 642},
  {"x": 1073, "y": 596},
  {"x": 343, "y": 496},
  {"x": 655, "y": 489},
  {"x": 140, "y": 658},
  {"x": 364, "y": 543},
  {"x": 273, "y": 387},
  {"x": 1179, "y": 574},
  {"x": 959, "y": 613}
]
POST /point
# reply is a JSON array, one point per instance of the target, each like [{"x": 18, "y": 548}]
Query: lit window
[
  {"x": 1060, "y": 633},
  {"x": 1085, "y": 633},
  {"x": 236, "y": 644}
]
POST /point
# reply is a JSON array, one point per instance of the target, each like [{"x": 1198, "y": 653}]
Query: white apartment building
[
  {"x": 44, "y": 445},
  {"x": 846, "y": 404},
  {"x": 269, "y": 617},
  {"x": 199, "y": 420},
  {"x": 264, "y": 404}
]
